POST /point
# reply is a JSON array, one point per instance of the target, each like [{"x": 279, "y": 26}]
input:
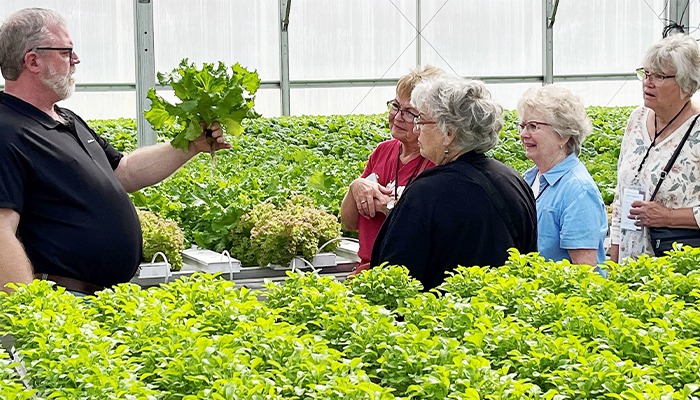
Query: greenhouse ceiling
[{"x": 345, "y": 56}]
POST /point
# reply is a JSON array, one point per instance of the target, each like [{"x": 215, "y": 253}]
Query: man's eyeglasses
[
  {"x": 65, "y": 50},
  {"x": 531, "y": 126},
  {"x": 643, "y": 74},
  {"x": 394, "y": 108}
]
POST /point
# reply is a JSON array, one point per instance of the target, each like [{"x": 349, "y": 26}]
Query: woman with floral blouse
[{"x": 670, "y": 74}]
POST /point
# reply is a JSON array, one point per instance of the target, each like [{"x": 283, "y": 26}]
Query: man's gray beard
[{"x": 61, "y": 85}]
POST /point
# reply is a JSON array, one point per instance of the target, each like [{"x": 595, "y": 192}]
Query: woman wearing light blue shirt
[{"x": 571, "y": 218}]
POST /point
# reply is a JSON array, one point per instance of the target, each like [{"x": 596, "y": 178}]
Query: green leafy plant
[
  {"x": 11, "y": 386},
  {"x": 527, "y": 330},
  {"x": 388, "y": 286},
  {"x": 318, "y": 156},
  {"x": 295, "y": 229},
  {"x": 161, "y": 235},
  {"x": 207, "y": 94}
]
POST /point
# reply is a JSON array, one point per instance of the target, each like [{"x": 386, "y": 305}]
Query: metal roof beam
[
  {"x": 678, "y": 12},
  {"x": 145, "y": 68},
  {"x": 549, "y": 13},
  {"x": 285, "y": 8}
]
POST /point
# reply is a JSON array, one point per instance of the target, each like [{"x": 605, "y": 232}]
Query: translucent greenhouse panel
[
  {"x": 356, "y": 39},
  {"x": 348, "y": 100},
  {"x": 102, "y": 105},
  {"x": 603, "y": 36},
  {"x": 607, "y": 93},
  {"x": 102, "y": 33},
  {"x": 694, "y": 19},
  {"x": 508, "y": 94},
  {"x": 231, "y": 31},
  {"x": 483, "y": 37},
  {"x": 328, "y": 101},
  {"x": 267, "y": 102}
]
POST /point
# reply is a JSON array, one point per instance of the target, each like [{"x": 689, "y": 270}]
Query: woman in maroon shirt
[{"x": 392, "y": 166}]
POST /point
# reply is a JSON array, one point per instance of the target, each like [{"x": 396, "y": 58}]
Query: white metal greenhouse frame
[{"x": 145, "y": 76}]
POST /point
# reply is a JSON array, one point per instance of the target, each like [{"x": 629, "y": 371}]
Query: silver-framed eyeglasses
[
  {"x": 531, "y": 126},
  {"x": 394, "y": 108},
  {"x": 418, "y": 122},
  {"x": 65, "y": 50},
  {"x": 643, "y": 74}
]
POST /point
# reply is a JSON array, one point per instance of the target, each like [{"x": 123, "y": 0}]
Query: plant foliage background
[
  {"x": 528, "y": 330},
  {"x": 275, "y": 158}
]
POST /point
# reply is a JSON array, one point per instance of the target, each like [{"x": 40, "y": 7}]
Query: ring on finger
[{"x": 363, "y": 201}]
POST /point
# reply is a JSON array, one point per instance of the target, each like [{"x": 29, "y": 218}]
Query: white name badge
[{"x": 629, "y": 196}]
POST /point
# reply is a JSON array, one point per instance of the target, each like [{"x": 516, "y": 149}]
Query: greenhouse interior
[{"x": 349, "y": 199}]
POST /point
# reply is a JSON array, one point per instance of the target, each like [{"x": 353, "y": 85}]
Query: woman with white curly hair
[
  {"x": 571, "y": 218},
  {"x": 469, "y": 209}
]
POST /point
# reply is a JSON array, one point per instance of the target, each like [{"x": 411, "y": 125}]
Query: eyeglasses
[
  {"x": 66, "y": 50},
  {"x": 532, "y": 126},
  {"x": 394, "y": 108},
  {"x": 418, "y": 122},
  {"x": 643, "y": 74}
]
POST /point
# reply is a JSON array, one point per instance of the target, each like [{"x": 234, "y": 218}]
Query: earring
[{"x": 446, "y": 152}]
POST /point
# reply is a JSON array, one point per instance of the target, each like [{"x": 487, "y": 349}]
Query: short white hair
[
  {"x": 676, "y": 55},
  {"x": 562, "y": 109}
]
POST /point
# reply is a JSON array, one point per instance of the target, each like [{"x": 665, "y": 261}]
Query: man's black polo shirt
[{"x": 76, "y": 220}]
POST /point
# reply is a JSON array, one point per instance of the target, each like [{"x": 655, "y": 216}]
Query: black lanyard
[
  {"x": 656, "y": 136},
  {"x": 669, "y": 164},
  {"x": 540, "y": 188}
]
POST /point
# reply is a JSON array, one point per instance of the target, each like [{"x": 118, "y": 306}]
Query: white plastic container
[
  {"x": 210, "y": 261},
  {"x": 154, "y": 270}
]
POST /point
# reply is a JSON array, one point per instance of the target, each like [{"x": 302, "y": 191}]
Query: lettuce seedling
[
  {"x": 161, "y": 235},
  {"x": 212, "y": 93}
]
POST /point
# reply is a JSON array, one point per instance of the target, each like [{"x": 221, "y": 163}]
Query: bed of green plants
[
  {"x": 316, "y": 156},
  {"x": 528, "y": 330}
]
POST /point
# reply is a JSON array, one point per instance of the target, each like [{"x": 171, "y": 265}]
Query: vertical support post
[
  {"x": 285, "y": 6},
  {"x": 678, "y": 11},
  {"x": 145, "y": 68},
  {"x": 419, "y": 39},
  {"x": 548, "y": 42}
]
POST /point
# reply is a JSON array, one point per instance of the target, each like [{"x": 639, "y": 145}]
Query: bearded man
[{"x": 65, "y": 215}]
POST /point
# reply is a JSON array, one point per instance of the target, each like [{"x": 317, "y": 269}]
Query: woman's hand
[
  {"x": 615, "y": 252},
  {"x": 381, "y": 204},
  {"x": 650, "y": 213},
  {"x": 369, "y": 196}
]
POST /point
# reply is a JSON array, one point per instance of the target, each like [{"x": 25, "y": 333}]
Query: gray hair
[
  {"x": 562, "y": 109},
  {"x": 462, "y": 107},
  {"x": 676, "y": 55},
  {"x": 21, "y": 31}
]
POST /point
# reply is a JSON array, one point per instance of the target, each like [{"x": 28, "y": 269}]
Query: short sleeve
[
  {"x": 113, "y": 156},
  {"x": 583, "y": 221},
  {"x": 13, "y": 175}
]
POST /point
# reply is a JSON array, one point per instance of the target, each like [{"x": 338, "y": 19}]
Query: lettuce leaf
[{"x": 212, "y": 93}]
